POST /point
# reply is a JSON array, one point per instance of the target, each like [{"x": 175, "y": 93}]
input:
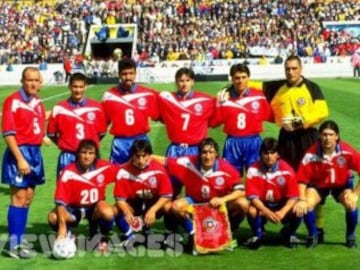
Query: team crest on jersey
[
  {"x": 255, "y": 105},
  {"x": 91, "y": 116},
  {"x": 198, "y": 108},
  {"x": 341, "y": 161},
  {"x": 210, "y": 225},
  {"x": 301, "y": 101},
  {"x": 219, "y": 181},
  {"x": 280, "y": 180},
  {"x": 100, "y": 178},
  {"x": 153, "y": 182},
  {"x": 142, "y": 101}
]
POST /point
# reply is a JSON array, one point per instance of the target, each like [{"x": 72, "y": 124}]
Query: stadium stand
[{"x": 36, "y": 31}]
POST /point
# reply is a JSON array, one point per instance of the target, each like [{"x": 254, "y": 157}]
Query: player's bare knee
[
  {"x": 52, "y": 218},
  {"x": 252, "y": 211},
  {"x": 104, "y": 210}
]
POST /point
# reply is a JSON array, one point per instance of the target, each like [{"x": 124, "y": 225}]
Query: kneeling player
[
  {"x": 142, "y": 192},
  {"x": 207, "y": 179},
  {"x": 324, "y": 170},
  {"x": 80, "y": 193},
  {"x": 272, "y": 190}
]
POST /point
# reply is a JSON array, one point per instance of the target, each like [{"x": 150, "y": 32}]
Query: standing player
[
  {"x": 272, "y": 189},
  {"x": 298, "y": 105},
  {"x": 207, "y": 179},
  {"x": 242, "y": 114},
  {"x": 324, "y": 170},
  {"x": 80, "y": 193},
  {"x": 23, "y": 128},
  {"x": 142, "y": 188},
  {"x": 185, "y": 114},
  {"x": 75, "y": 119},
  {"x": 129, "y": 108}
]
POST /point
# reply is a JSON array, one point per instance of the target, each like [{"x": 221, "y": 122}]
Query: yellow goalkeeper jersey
[{"x": 305, "y": 100}]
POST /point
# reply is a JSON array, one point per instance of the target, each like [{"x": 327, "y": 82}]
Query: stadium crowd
[{"x": 36, "y": 31}]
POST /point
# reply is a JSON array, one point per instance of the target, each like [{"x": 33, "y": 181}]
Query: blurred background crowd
[{"x": 49, "y": 31}]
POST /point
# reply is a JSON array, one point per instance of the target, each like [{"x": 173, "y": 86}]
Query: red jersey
[
  {"x": 150, "y": 182},
  {"x": 23, "y": 117},
  {"x": 331, "y": 172},
  {"x": 129, "y": 113},
  {"x": 70, "y": 123},
  {"x": 243, "y": 115},
  {"x": 202, "y": 186},
  {"x": 274, "y": 186},
  {"x": 77, "y": 189},
  {"x": 186, "y": 120}
]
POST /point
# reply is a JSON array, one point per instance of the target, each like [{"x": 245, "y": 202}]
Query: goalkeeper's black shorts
[{"x": 292, "y": 145}]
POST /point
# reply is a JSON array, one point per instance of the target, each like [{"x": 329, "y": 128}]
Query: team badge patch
[
  {"x": 91, "y": 116},
  {"x": 341, "y": 161},
  {"x": 100, "y": 178},
  {"x": 301, "y": 101},
  {"x": 280, "y": 180},
  {"x": 142, "y": 101},
  {"x": 219, "y": 181},
  {"x": 255, "y": 105},
  {"x": 198, "y": 108},
  {"x": 153, "y": 182}
]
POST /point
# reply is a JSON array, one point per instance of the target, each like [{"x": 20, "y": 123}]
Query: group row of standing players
[{"x": 127, "y": 107}]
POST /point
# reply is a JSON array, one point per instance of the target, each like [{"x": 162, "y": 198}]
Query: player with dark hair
[
  {"x": 242, "y": 114},
  {"x": 75, "y": 119},
  {"x": 207, "y": 179},
  {"x": 80, "y": 193},
  {"x": 128, "y": 108},
  {"x": 23, "y": 129},
  {"x": 272, "y": 189},
  {"x": 325, "y": 170},
  {"x": 298, "y": 105},
  {"x": 142, "y": 191},
  {"x": 185, "y": 114}
]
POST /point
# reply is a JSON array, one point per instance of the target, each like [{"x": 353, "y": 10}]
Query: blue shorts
[
  {"x": 64, "y": 159},
  {"x": 79, "y": 213},
  {"x": 176, "y": 150},
  {"x": 120, "y": 148},
  {"x": 10, "y": 174},
  {"x": 241, "y": 152}
]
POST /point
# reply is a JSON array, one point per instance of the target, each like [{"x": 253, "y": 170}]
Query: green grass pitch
[{"x": 343, "y": 96}]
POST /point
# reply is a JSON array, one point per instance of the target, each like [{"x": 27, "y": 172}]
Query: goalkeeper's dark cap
[{"x": 269, "y": 145}]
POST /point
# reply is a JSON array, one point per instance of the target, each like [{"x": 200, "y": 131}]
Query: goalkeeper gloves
[{"x": 290, "y": 123}]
